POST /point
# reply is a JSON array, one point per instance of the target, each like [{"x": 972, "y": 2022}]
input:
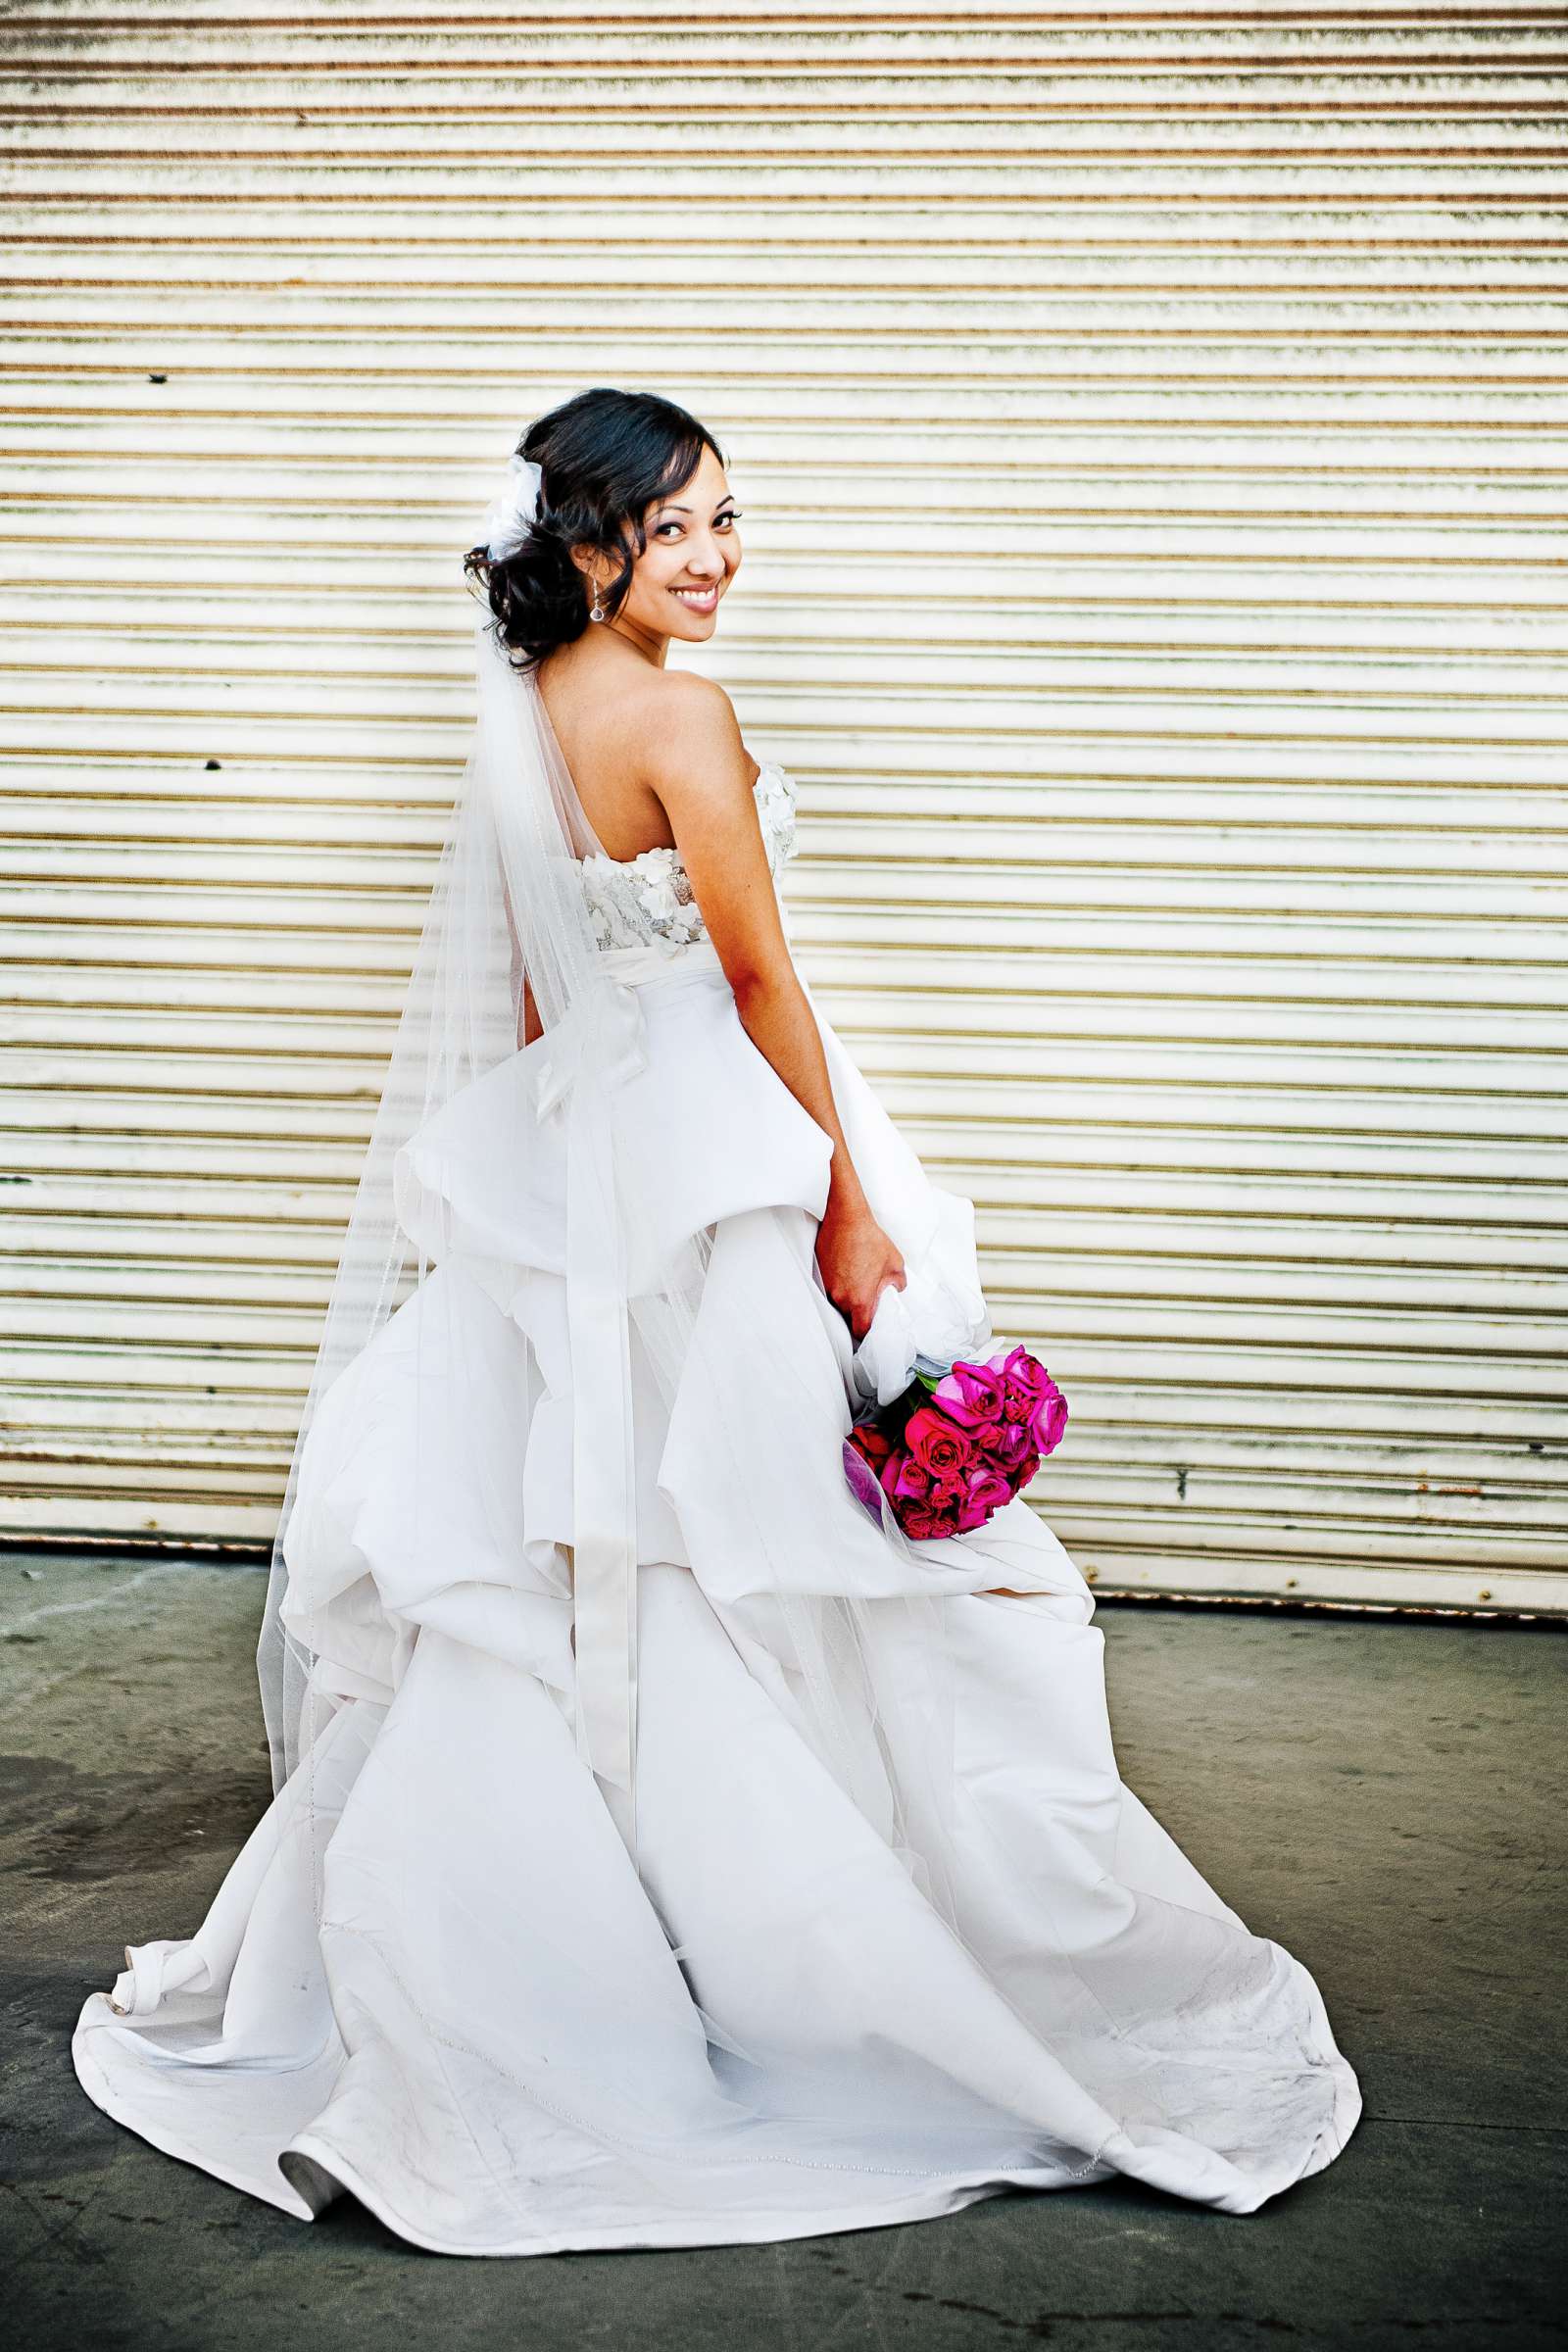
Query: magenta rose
[
  {"x": 930, "y": 1525},
  {"x": 1031, "y": 1398},
  {"x": 971, "y": 1395},
  {"x": 863, "y": 1478},
  {"x": 988, "y": 1492},
  {"x": 938, "y": 1444},
  {"x": 924, "y": 1507},
  {"x": 1018, "y": 1391},
  {"x": 905, "y": 1477},
  {"x": 1024, "y": 1381},
  {"x": 903, "y": 1480},
  {"x": 1007, "y": 1449},
  {"x": 870, "y": 1439},
  {"x": 1050, "y": 1420}
]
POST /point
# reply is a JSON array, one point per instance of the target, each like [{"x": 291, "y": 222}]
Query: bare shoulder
[{"x": 691, "y": 743}]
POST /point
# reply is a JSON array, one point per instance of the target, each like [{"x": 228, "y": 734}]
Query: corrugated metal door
[{"x": 1150, "y": 426}]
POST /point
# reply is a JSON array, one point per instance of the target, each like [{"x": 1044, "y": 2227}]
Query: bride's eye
[{"x": 732, "y": 514}]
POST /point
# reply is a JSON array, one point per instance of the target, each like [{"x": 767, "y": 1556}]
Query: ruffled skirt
[{"x": 436, "y": 1977}]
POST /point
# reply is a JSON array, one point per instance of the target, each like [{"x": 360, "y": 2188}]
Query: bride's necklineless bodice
[{"x": 647, "y": 900}]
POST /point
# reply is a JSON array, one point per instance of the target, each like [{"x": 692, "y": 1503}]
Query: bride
[{"x": 665, "y": 1850}]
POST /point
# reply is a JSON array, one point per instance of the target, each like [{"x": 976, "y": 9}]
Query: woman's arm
[
  {"x": 857, "y": 1257},
  {"x": 699, "y": 767}
]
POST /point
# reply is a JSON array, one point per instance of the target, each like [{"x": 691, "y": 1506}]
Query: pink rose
[
  {"x": 1022, "y": 1376},
  {"x": 1008, "y": 1448},
  {"x": 988, "y": 1492},
  {"x": 971, "y": 1395},
  {"x": 923, "y": 1505},
  {"x": 1017, "y": 1397},
  {"x": 1050, "y": 1420},
  {"x": 1031, "y": 1398},
  {"x": 863, "y": 1477},
  {"x": 927, "y": 1526},
  {"x": 907, "y": 1477},
  {"x": 904, "y": 1479},
  {"x": 870, "y": 1439},
  {"x": 937, "y": 1444},
  {"x": 943, "y": 1512}
]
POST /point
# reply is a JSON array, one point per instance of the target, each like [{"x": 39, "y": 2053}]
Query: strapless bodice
[{"x": 647, "y": 901}]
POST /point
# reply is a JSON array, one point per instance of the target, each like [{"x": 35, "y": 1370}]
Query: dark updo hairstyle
[{"x": 606, "y": 456}]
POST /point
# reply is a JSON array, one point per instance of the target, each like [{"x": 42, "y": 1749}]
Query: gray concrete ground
[{"x": 1386, "y": 1797}]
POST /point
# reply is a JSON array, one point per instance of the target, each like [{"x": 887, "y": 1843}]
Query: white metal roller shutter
[{"x": 1149, "y": 425}]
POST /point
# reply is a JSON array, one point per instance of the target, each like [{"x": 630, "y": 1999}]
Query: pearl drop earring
[{"x": 597, "y": 612}]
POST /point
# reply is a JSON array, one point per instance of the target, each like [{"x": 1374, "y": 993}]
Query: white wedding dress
[{"x": 453, "y": 1991}]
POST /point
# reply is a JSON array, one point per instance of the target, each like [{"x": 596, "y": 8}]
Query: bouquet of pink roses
[{"x": 956, "y": 1446}]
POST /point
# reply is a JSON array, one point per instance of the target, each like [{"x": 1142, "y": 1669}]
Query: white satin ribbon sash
[{"x": 606, "y": 1040}]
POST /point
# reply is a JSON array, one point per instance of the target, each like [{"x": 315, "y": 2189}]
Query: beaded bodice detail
[{"x": 647, "y": 900}]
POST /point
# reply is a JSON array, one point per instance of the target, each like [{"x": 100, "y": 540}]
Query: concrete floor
[{"x": 1387, "y": 1798}]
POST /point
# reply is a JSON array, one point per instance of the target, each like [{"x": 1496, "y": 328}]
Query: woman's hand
[{"x": 857, "y": 1261}]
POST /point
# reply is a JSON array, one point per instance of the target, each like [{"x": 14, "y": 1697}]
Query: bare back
[{"x": 604, "y": 709}]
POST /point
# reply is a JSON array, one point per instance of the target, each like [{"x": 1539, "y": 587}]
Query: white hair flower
[{"x": 512, "y": 511}]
